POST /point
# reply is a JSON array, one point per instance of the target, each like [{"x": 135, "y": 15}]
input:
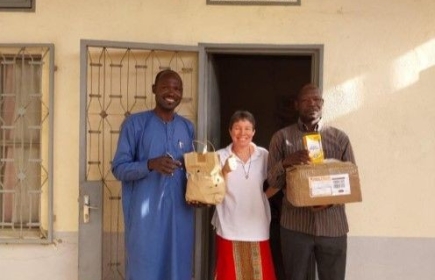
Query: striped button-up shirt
[{"x": 331, "y": 221}]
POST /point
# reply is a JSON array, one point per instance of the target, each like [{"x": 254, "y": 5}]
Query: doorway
[
  {"x": 264, "y": 82},
  {"x": 264, "y": 85}
]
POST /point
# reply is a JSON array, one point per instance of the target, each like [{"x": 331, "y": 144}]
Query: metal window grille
[{"x": 26, "y": 96}]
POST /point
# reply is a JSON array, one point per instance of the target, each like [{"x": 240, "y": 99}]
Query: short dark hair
[
  {"x": 308, "y": 87},
  {"x": 167, "y": 72},
  {"x": 242, "y": 115}
]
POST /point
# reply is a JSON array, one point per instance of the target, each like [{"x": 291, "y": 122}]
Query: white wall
[{"x": 379, "y": 69}]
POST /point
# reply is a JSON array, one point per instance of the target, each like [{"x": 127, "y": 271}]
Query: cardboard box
[{"x": 333, "y": 182}]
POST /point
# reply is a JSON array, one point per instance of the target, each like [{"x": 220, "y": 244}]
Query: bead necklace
[{"x": 249, "y": 166}]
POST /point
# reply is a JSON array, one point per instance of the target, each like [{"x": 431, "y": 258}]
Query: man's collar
[{"x": 304, "y": 128}]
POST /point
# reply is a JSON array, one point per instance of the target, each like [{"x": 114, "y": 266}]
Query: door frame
[
  {"x": 207, "y": 99},
  {"x": 90, "y": 247}
]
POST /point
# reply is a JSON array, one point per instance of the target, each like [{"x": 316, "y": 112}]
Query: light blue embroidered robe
[{"x": 159, "y": 225}]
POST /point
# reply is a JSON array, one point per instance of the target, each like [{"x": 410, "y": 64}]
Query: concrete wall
[{"x": 379, "y": 69}]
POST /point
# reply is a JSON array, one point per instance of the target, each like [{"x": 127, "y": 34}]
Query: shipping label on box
[
  {"x": 322, "y": 184},
  {"x": 337, "y": 184}
]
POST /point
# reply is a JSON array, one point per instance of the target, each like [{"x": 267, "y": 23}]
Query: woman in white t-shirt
[{"x": 242, "y": 219}]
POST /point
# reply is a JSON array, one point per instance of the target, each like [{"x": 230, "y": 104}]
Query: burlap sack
[{"x": 205, "y": 182}]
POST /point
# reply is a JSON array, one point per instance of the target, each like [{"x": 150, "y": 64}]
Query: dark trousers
[
  {"x": 275, "y": 246},
  {"x": 329, "y": 253}
]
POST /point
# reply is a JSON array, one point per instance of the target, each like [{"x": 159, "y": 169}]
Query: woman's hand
[{"x": 230, "y": 164}]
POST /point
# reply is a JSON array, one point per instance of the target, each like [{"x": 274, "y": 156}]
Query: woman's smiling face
[{"x": 242, "y": 132}]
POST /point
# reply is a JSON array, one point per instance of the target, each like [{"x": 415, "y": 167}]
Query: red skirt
[{"x": 243, "y": 260}]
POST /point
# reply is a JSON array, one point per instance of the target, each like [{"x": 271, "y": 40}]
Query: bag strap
[{"x": 205, "y": 144}]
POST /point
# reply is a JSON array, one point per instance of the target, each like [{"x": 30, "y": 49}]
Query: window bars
[{"x": 26, "y": 97}]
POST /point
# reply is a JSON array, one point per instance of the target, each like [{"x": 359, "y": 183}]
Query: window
[
  {"x": 26, "y": 95},
  {"x": 17, "y": 5}
]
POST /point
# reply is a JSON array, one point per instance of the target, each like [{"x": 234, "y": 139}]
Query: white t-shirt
[{"x": 244, "y": 214}]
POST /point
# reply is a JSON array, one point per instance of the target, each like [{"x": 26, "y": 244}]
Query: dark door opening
[
  {"x": 262, "y": 84},
  {"x": 265, "y": 85}
]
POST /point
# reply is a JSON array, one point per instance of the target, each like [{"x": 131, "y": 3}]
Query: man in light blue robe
[{"x": 159, "y": 224}]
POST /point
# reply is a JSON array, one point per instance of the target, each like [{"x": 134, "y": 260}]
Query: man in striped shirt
[{"x": 305, "y": 231}]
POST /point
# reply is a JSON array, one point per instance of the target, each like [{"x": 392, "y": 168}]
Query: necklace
[{"x": 249, "y": 166}]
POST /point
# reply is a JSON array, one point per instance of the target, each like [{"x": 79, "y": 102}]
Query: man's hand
[
  {"x": 320, "y": 207},
  {"x": 165, "y": 164},
  {"x": 198, "y": 204},
  {"x": 297, "y": 158}
]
